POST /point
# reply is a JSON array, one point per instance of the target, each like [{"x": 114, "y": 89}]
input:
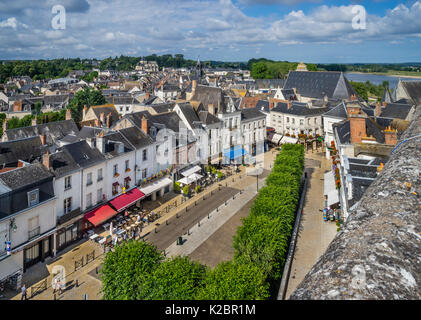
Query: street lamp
[{"x": 256, "y": 172}]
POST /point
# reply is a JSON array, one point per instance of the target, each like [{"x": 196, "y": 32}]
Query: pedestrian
[{"x": 23, "y": 293}]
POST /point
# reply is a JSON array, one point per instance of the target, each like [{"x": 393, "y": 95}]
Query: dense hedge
[
  {"x": 137, "y": 271},
  {"x": 263, "y": 238}
]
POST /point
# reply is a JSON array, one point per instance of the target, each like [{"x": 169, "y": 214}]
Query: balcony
[{"x": 33, "y": 233}]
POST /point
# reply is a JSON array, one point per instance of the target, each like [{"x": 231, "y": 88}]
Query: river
[{"x": 377, "y": 79}]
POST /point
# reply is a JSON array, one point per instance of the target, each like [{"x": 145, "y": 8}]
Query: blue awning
[{"x": 234, "y": 153}]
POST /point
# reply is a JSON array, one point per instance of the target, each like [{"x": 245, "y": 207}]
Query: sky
[{"x": 312, "y": 31}]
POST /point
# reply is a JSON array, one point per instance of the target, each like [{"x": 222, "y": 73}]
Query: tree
[
  {"x": 125, "y": 269},
  {"x": 175, "y": 279},
  {"x": 89, "y": 97},
  {"x": 259, "y": 70},
  {"x": 235, "y": 281},
  {"x": 38, "y": 106}
]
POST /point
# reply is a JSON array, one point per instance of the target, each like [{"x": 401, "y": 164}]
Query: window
[
  {"x": 33, "y": 227},
  {"x": 144, "y": 156},
  {"x": 33, "y": 198},
  {"x": 115, "y": 169},
  {"x": 287, "y": 119},
  {"x": 99, "y": 196},
  {"x": 127, "y": 165},
  {"x": 99, "y": 174},
  {"x": 89, "y": 200},
  {"x": 115, "y": 188},
  {"x": 301, "y": 122},
  {"x": 144, "y": 173},
  {"x": 67, "y": 182},
  {"x": 127, "y": 182},
  {"x": 293, "y": 120},
  {"x": 67, "y": 205},
  {"x": 89, "y": 179},
  {"x": 315, "y": 120}
]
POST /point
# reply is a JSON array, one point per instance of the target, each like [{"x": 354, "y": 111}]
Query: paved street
[{"x": 314, "y": 233}]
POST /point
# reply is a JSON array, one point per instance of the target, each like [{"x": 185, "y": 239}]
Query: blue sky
[{"x": 231, "y": 30}]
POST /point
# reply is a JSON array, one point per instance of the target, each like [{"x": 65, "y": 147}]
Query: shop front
[{"x": 69, "y": 229}]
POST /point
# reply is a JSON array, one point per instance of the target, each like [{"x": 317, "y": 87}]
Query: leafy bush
[
  {"x": 175, "y": 279},
  {"x": 235, "y": 281},
  {"x": 263, "y": 241},
  {"x": 186, "y": 190},
  {"x": 125, "y": 269},
  {"x": 177, "y": 187},
  {"x": 197, "y": 189}
]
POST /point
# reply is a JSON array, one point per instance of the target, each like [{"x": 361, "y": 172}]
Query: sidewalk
[{"x": 314, "y": 234}]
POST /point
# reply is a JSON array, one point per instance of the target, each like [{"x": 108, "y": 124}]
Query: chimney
[
  {"x": 147, "y": 95},
  {"x": 43, "y": 139},
  {"x": 377, "y": 110},
  {"x": 390, "y": 136},
  {"x": 85, "y": 109},
  {"x": 46, "y": 160},
  {"x": 5, "y": 125},
  {"x": 289, "y": 104},
  {"x": 102, "y": 118},
  {"x": 68, "y": 114},
  {"x": 91, "y": 141},
  {"x": 109, "y": 120},
  {"x": 194, "y": 86},
  {"x": 357, "y": 127},
  {"x": 100, "y": 143},
  {"x": 34, "y": 121},
  {"x": 384, "y": 103},
  {"x": 353, "y": 97},
  {"x": 144, "y": 124},
  {"x": 97, "y": 123}
]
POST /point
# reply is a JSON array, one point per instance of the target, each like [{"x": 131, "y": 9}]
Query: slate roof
[
  {"x": 269, "y": 83},
  {"x": 395, "y": 111},
  {"x": 89, "y": 132},
  {"x": 343, "y": 131},
  {"x": 413, "y": 89},
  {"x": 83, "y": 154},
  {"x": 251, "y": 113},
  {"x": 106, "y": 109},
  {"x": 62, "y": 163},
  {"x": 136, "y": 137},
  {"x": 162, "y": 107},
  {"x": 54, "y": 131},
  {"x": 209, "y": 95},
  {"x": 25, "y": 176},
  {"x": 189, "y": 113},
  {"x": 208, "y": 118},
  {"x": 27, "y": 149},
  {"x": 112, "y": 140},
  {"x": 299, "y": 109},
  {"x": 337, "y": 112},
  {"x": 372, "y": 129},
  {"x": 123, "y": 99},
  {"x": 317, "y": 84}
]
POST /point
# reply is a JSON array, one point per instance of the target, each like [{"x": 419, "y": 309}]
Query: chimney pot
[
  {"x": 145, "y": 124},
  {"x": 68, "y": 114},
  {"x": 46, "y": 160},
  {"x": 43, "y": 139}
]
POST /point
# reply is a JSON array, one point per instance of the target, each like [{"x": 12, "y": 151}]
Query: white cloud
[{"x": 11, "y": 23}]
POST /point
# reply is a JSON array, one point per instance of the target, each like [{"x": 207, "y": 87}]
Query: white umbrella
[{"x": 111, "y": 228}]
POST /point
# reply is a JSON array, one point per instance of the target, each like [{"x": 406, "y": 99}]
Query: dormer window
[{"x": 33, "y": 197}]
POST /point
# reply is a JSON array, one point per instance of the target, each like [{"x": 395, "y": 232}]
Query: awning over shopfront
[
  {"x": 155, "y": 186},
  {"x": 276, "y": 138},
  {"x": 191, "y": 178},
  {"x": 234, "y": 153},
  {"x": 190, "y": 171},
  {"x": 8, "y": 267},
  {"x": 330, "y": 189},
  {"x": 100, "y": 215},
  {"x": 286, "y": 139},
  {"x": 127, "y": 199}
]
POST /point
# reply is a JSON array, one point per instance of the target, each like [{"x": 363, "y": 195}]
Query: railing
[{"x": 33, "y": 233}]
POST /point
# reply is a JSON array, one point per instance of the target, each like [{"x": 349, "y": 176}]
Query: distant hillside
[{"x": 269, "y": 69}]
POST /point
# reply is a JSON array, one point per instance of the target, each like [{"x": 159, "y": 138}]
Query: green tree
[
  {"x": 235, "y": 281},
  {"x": 125, "y": 269},
  {"x": 259, "y": 70},
  {"x": 89, "y": 97},
  {"x": 175, "y": 279}
]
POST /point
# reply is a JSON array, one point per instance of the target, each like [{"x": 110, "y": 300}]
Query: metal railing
[{"x": 33, "y": 233}]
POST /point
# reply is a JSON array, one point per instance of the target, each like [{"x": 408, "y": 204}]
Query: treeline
[
  {"x": 136, "y": 270},
  {"x": 369, "y": 68},
  {"x": 41, "y": 69},
  {"x": 268, "y": 69},
  {"x": 368, "y": 89}
]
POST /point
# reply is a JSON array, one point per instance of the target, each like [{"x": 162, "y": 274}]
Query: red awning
[
  {"x": 100, "y": 215},
  {"x": 122, "y": 202}
]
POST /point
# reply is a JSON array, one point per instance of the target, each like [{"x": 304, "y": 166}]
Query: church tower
[{"x": 198, "y": 70}]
